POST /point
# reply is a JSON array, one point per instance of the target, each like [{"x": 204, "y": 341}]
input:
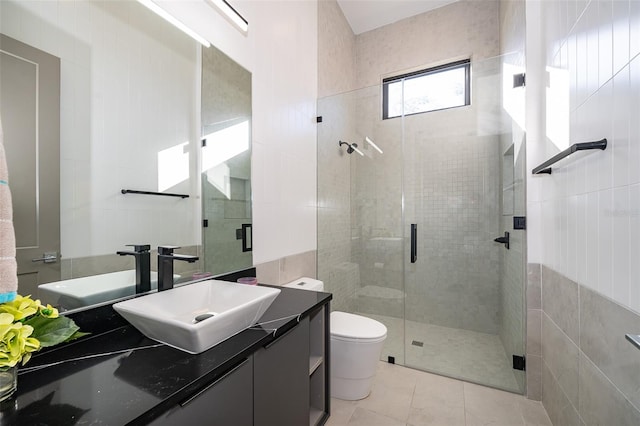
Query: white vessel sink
[
  {"x": 79, "y": 292},
  {"x": 198, "y": 316}
]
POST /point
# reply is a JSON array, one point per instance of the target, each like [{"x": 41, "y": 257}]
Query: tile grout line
[
  {"x": 413, "y": 395},
  {"x": 564, "y": 393},
  {"x": 464, "y": 402},
  {"x": 615, "y": 387},
  {"x": 581, "y": 289}
]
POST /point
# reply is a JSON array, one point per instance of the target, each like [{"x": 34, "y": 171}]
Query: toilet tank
[{"x": 306, "y": 283}]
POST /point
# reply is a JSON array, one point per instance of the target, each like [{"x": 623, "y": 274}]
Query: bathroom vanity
[{"x": 276, "y": 373}]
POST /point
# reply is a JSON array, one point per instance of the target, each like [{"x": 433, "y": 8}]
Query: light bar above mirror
[
  {"x": 174, "y": 21},
  {"x": 229, "y": 12}
]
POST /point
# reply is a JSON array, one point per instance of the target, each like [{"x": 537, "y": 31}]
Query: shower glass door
[
  {"x": 360, "y": 222},
  {"x": 464, "y": 292}
]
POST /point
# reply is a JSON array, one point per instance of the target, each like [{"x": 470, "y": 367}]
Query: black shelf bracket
[
  {"x": 164, "y": 194},
  {"x": 584, "y": 146}
]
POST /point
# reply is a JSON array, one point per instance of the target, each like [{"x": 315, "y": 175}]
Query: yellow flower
[
  {"x": 15, "y": 343},
  {"x": 48, "y": 311},
  {"x": 26, "y": 326},
  {"x": 21, "y": 307}
]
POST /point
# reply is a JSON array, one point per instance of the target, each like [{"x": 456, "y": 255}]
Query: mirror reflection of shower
[{"x": 351, "y": 147}]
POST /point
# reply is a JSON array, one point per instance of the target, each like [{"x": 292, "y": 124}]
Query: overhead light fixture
[
  {"x": 232, "y": 14},
  {"x": 175, "y": 22},
  {"x": 370, "y": 142}
]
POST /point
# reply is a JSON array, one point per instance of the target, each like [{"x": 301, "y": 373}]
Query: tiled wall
[
  {"x": 451, "y": 32},
  {"x": 589, "y": 371},
  {"x": 587, "y": 210},
  {"x": 336, "y": 51},
  {"x": 583, "y": 80},
  {"x": 287, "y": 269},
  {"x": 337, "y": 106},
  {"x": 118, "y": 115},
  {"x": 534, "y": 329},
  {"x": 284, "y": 161}
]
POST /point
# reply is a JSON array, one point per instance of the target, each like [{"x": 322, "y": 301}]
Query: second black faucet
[{"x": 165, "y": 265}]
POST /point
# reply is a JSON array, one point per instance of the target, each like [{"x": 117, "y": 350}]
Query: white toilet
[{"x": 356, "y": 343}]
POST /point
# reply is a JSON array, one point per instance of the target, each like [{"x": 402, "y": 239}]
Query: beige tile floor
[
  {"x": 463, "y": 354},
  {"x": 406, "y": 397}
]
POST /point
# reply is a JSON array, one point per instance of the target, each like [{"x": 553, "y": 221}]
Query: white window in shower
[{"x": 432, "y": 89}]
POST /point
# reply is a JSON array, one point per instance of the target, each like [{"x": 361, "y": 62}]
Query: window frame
[{"x": 465, "y": 63}]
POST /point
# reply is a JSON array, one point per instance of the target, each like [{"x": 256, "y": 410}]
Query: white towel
[{"x": 8, "y": 265}]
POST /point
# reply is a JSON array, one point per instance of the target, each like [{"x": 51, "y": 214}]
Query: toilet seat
[{"x": 355, "y": 328}]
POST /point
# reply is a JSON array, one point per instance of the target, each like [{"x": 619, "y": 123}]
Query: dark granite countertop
[{"x": 121, "y": 377}]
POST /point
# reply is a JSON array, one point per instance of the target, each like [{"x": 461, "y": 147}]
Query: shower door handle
[
  {"x": 414, "y": 242},
  {"x": 503, "y": 240}
]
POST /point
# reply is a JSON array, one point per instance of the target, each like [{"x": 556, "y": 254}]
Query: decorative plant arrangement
[{"x": 26, "y": 326}]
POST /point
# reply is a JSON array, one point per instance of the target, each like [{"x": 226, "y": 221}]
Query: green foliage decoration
[{"x": 26, "y": 326}]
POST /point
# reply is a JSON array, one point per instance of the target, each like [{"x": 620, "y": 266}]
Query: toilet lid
[{"x": 353, "y": 326}]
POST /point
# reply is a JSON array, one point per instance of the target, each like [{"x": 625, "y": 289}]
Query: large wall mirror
[{"x": 101, "y": 96}]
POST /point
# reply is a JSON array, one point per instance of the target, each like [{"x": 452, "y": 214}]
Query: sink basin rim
[{"x": 178, "y": 330}]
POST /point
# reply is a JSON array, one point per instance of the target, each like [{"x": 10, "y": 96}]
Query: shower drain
[{"x": 417, "y": 343}]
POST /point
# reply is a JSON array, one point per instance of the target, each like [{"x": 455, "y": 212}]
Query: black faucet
[
  {"x": 165, "y": 265},
  {"x": 143, "y": 265}
]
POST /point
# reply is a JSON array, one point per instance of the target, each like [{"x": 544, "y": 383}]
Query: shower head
[{"x": 351, "y": 147}]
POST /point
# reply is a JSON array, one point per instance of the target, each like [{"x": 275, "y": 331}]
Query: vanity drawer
[
  {"x": 228, "y": 400},
  {"x": 281, "y": 379}
]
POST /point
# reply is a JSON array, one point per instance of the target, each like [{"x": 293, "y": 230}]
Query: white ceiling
[{"x": 366, "y": 15}]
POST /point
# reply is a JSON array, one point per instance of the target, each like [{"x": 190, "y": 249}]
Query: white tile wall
[
  {"x": 634, "y": 29},
  {"x": 634, "y": 246},
  {"x": 621, "y": 218},
  {"x": 592, "y": 200}
]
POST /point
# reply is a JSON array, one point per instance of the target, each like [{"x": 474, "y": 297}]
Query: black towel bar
[
  {"x": 164, "y": 194},
  {"x": 584, "y": 146}
]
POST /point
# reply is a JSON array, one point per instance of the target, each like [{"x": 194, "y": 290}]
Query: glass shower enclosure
[{"x": 446, "y": 183}]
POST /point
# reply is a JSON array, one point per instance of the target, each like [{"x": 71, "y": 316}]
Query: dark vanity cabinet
[
  {"x": 291, "y": 375},
  {"x": 275, "y": 376},
  {"x": 281, "y": 379},
  {"x": 283, "y": 383},
  {"x": 228, "y": 400}
]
